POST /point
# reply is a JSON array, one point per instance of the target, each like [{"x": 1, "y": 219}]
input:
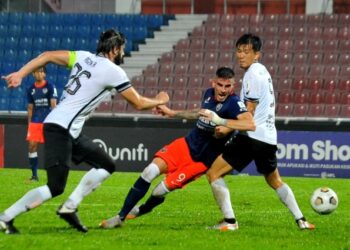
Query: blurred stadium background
[{"x": 176, "y": 45}]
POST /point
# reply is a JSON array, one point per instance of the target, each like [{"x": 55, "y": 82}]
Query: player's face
[
  {"x": 120, "y": 55},
  {"x": 39, "y": 75},
  {"x": 222, "y": 88},
  {"x": 246, "y": 55}
]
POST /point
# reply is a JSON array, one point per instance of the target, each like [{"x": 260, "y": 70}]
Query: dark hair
[
  {"x": 108, "y": 40},
  {"x": 225, "y": 73},
  {"x": 42, "y": 67},
  {"x": 250, "y": 39}
]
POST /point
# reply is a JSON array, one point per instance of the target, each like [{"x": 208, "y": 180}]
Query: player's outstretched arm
[
  {"x": 185, "y": 114},
  {"x": 140, "y": 102},
  {"x": 244, "y": 121},
  {"x": 58, "y": 57}
]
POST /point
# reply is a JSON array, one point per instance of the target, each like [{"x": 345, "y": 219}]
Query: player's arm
[
  {"x": 251, "y": 106},
  {"x": 244, "y": 120},
  {"x": 185, "y": 114},
  {"x": 57, "y": 57},
  {"x": 53, "y": 103},
  {"x": 140, "y": 102},
  {"x": 30, "y": 111}
]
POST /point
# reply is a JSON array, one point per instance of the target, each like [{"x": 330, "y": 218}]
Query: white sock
[
  {"x": 150, "y": 172},
  {"x": 90, "y": 181},
  {"x": 160, "y": 190},
  {"x": 30, "y": 200},
  {"x": 287, "y": 197},
  {"x": 222, "y": 197}
]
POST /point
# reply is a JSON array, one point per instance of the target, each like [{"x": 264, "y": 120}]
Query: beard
[{"x": 119, "y": 59}]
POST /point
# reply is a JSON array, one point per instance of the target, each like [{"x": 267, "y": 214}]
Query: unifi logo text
[{"x": 140, "y": 153}]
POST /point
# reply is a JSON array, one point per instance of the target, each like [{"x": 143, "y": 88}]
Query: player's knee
[
  {"x": 160, "y": 190},
  {"x": 55, "y": 189},
  {"x": 211, "y": 176},
  {"x": 109, "y": 166}
]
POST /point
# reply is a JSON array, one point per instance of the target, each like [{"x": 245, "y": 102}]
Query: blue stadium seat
[
  {"x": 112, "y": 21},
  {"x": 42, "y": 18},
  {"x": 82, "y": 44},
  {"x": 25, "y": 43},
  {"x": 55, "y": 19},
  {"x": 3, "y": 17},
  {"x": 28, "y": 30},
  {"x": 15, "y": 17},
  {"x": 155, "y": 21},
  {"x": 51, "y": 69},
  {"x": 52, "y": 43},
  {"x": 67, "y": 43},
  {"x": 83, "y": 31},
  {"x": 139, "y": 33},
  {"x": 127, "y": 31},
  {"x": 37, "y": 52},
  {"x": 83, "y": 19},
  {"x": 14, "y": 30},
  {"x": 56, "y": 31},
  {"x": 4, "y": 103},
  {"x": 24, "y": 56},
  {"x": 3, "y": 29},
  {"x": 28, "y": 18},
  {"x": 97, "y": 20},
  {"x": 41, "y": 31},
  {"x": 11, "y": 42},
  {"x": 126, "y": 20},
  {"x": 17, "y": 104},
  {"x": 10, "y": 55},
  {"x": 38, "y": 43},
  {"x": 140, "y": 20}
]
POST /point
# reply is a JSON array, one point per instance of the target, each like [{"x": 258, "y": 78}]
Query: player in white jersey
[
  {"x": 259, "y": 146},
  {"x": 92, "y": 77}
]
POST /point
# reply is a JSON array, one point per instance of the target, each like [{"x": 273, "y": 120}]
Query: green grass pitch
[{"x": 180, "y": 223}]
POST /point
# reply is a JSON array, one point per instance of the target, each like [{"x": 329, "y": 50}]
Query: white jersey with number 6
[
  {"x": 91, "y": 79},
  {"x": 257, "y": 87}
]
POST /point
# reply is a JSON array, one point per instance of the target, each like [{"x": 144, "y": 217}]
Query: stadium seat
[
  {"x": 166, "y": 68},
  {"x": 195, "y": 94},
  {"x": 196, "y": 57},
  {"x": 151, "y": 70},
  {"x": 315, "y": 45},
  {"x": 329, "y": 84},
  {"x": 345, "y": 111},
  {"x": 180, "y": 95},
  {"x": 226, "y": 33},
  {"x": 300, "y": 58},
  {"x": 180, "y": 82},
  {"x": 41, "y": 31},
  {"x": 344, "y": 33},
  {"x": 197, "y": 44},
  {"x": 193, "y": 105},
  {"x": 140, "y": 20},
  {"x": 155, "y": 21},
  {"x": 301, "y": 97},
  {"x": 331, "y": 97},
  {"x": 270, "y": 32},
  {"x": 195, "y": 82},
  {"x": 300, "y": 46},
  {"x": 213, "y": 19},
  {"x": 316, "y": 110},
  {"x": 166, "y": 83},
  {"x": 344, "y": 45},
  {"x": 316, "y": 97},
  {"x": 226, "y": 58},
  {"x": 285, "y": 97},
  {"x": 330, "y": 33},
  {"x": 137, "y": 81},
  {"x": 316, "y": 58},
  {"x": 285, "y": 70},
  {"x": 139, "y": 33},
  {"x": 119, "y": 106},
  {"x": 53, "y": 43},
  {"x": 283, "y": 84},
  {"x": 4, "y": 103},
  {"x": 315, "y": 70},
  {"x": 166, "y": 57},
  {"x": 300, "y": 84},
  {"x": 178, "y": 105},
  {"x": 344, "y": 58},
  {"x": 284, "y": 109},
  {"x": 330, "y": 20},
  {"x": 17, "y": 104},
  {"x": 344, "y": 71},
  {"x": 344, "y": 85},
  {"x": 269, "y": 58},
  {"x": 315, "y": 84},
  {"x": 211, "y": 44},
  {"x": 182, "y": 44},
  {"x": 270, "y": 45},
  {"x": 198, "y": 32},
  {"x": 330, "y": 58},
  {"x": 11, "y": 42},
  {"x": 151, "y": 82},
  {"x": 331, "y": 70},
  {"x": 180, "y": 69},
  {"x": 345, "y": 98},
  {"x": 330, "y": 45},
  {"x": 285, "y": 32},
  {"x": 15, "y": 17},
  {"x": 210, "y": 68},
  {"x": 181, "y": 57},
  {"x": 272, "y": 69},
  {"x": 300, "y": 110},
  {"x": 285, "y": 58},
  {"x": 25, "y": 43},
  {"x": 211, "y": 57},
  {"x": 298, "y": 19},
  {"x": 4, "y": 17},
  {"x": 314, "y": 32},
  {"x": 42, "y": 18},
  {"x": 285, "y": 45},
  {"x": 195, "y": 69},
  {"x": 332, "y": 110},
  {"x": 212, "y": 31}
]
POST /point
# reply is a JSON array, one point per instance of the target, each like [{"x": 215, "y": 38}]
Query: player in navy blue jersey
[
  {"x": 42, "y": 97},
  {"x": 187, "y": 158}
]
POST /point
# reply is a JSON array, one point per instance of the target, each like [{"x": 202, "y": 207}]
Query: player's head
[
  {"x": 223, "y": 83},
  {"x": 111, "y": 44},
  {"x": 248, "y": 49},
  {"x": 39, "y": 74}
]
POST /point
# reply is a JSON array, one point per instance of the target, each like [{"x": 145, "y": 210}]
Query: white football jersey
[
  {"x": 91, "y": 79},
  {"x": 257, "y": 87}
]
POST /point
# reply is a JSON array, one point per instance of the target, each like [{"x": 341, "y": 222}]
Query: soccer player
[
  {"x": 91, "y": 79},
  {"x": 42, "y": 97},
  {"x": 187, "y": 158},
  {"x": 259, "y": 145}
]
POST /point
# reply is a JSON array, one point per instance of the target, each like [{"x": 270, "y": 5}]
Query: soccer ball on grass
[{"x": 324, "y": 200}]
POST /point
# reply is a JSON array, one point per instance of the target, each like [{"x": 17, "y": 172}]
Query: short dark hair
[
  {"x": 225, "y": 73},
  {"x": 108, "y": 40},
  {"x": 250, "y": 39},
  {"x": 42, "y": 67}
]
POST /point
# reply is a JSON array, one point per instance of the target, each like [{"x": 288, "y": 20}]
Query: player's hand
[
  {"x": 212, "y": 116},
  {"x": 164, "y": 111},
  {"x": 13, "y": 80},
  {"x": 163, "y": 97},
  {"x": 221, "y": 131}
]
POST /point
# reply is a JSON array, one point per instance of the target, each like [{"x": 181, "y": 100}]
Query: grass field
[{"x": 180, "y": 223}]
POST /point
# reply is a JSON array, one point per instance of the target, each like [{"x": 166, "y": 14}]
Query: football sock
[
  {"x": 136, "y": 193},
  {"x": 222, "y": 197},
  {"x": 151, "y": 203},
  {"x": 33, "y": 162},
  {"x": 287, "y": 197},
  {"x": 30, "y": 200},
  {"x": 90, "y": 181}
]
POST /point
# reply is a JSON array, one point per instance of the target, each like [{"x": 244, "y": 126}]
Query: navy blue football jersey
[
  {"x": 202, "y": 144},
  {"x": 40, "y": 97}
]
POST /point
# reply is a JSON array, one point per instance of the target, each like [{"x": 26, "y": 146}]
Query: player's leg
[
  {"x": 266, "y": 162},
  {"x": 137, "y": 192},
  {"x": 33, "y": 159}
]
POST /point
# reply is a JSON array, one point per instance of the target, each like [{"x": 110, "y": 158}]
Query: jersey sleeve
[
  {"x": 52, "y": 91},
  {"x": 252, "y": 88},
  {"x": 118, "y": 79},
  {"x": 237, "y": 107},
  {"x": 72, "y": 59}
]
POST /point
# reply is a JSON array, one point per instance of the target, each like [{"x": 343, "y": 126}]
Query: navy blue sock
[
  {"x": 33, "y": 161},
  {"x": 151, "y": 203},
  {"x": 136, "y": 193}
]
